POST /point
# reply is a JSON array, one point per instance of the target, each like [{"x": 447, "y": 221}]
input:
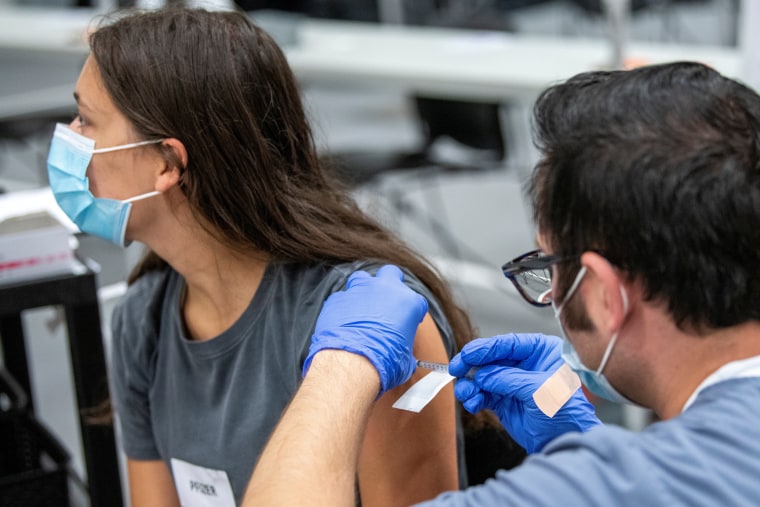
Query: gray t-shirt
[{"x": 213, "y": 404}]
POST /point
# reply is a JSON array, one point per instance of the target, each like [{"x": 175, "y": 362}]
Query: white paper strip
[{"x": 422, "y": 393}]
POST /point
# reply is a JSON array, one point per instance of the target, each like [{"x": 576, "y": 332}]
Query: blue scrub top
[{"x": 707, "y": 456}]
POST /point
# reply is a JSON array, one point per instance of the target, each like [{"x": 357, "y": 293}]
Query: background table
[
  {"x": 452, "y": 63},
  {"x": 77, "y": 294}
]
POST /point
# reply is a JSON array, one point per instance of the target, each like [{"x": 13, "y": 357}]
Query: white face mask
[{"x": 594, "y": 380}]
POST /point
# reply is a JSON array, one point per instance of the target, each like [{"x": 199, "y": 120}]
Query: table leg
[
  {"x": 91, "y": 384},
  {"x": 14, "y": 353}
]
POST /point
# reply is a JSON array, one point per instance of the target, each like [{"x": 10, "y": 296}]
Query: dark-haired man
[{"x": 647, "y": 202}]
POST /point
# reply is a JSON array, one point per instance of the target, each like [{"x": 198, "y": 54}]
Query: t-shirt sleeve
[
  {"x": 435, "y": 311},
  {"x": 411, "y": 281},
  {"x": 131, "y": 358}
]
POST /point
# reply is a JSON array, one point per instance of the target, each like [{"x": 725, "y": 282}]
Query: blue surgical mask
[
  {"x": 594, "y": 380},
  {"x": 70, "y": 154}
]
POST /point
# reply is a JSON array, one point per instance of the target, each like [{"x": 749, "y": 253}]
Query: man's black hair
[{"x": 656, "y": 169}]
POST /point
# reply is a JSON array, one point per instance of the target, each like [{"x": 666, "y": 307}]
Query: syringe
[
  {"x": 429, "y": 365},
  {"x": 442, "y": 367}
]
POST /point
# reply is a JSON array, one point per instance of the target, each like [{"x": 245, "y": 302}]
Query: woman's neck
[
  {"x": 220, "y": 281},
  {"x": 218, "y": 294}
]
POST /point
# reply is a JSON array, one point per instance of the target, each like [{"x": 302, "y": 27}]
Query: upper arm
[
  {"x": 151, "y": 484},
  {"x": 407, "y": 457},
  {"x": 131, "y": 374}
]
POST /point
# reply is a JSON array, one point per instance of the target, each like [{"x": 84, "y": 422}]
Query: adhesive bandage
[{"x": 556, "y": 390}]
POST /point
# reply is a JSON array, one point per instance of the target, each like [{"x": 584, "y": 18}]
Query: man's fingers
[
  {"x": 507, "y": 349},
  {"x": 390, "y": 271},
  {"x": 357, "y": 277},
  {"x": 512, "y": 382}
]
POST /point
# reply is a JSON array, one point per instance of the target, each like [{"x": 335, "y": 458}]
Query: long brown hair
[{"x": 221, "y": 85}]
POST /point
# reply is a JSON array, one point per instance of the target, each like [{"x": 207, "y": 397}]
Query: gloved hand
[
  {"x": 376, "y": 317},
  {"x": 510, "y": 369}
]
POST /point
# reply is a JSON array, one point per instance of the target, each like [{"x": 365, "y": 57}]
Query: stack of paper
[{"x": 34, "y": 244}]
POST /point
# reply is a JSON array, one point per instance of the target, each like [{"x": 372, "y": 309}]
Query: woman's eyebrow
[{"x": 81, "y": 102}]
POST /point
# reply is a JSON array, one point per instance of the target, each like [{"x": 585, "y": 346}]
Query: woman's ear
[
  {"x": 606, "y": 297},
  {"x": 175, "y": 161}
]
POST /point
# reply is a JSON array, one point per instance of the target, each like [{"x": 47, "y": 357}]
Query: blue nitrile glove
[
  {"x": 510, "y": 369},
  {"x": 376, "y": 317}
]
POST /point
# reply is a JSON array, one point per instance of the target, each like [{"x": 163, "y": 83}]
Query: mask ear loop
[
  {"x": 624, "y": 295},
  {"x": 125, "y": 146},
  {"x": 141, "y": 196},
  {"x": 571, "y": 291},
  {"x": 614, "y": 338},
  {"x": 542, "y": 297}
]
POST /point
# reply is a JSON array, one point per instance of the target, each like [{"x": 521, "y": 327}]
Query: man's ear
[
  {"x": 175, "y": 160},
  {"x": 605, "y": 297}
]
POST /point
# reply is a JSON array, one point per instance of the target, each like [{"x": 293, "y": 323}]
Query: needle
[
  {"x": 429, "y": 365},
  {"x": 442, "y": 367}
]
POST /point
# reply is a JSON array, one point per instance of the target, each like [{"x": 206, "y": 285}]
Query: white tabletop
[
  {"x": 464, "y": 63},
  {"x": 432, "y": 61},
  {"x": 41, "y": 53},
  {"x": 45, "y": 28}
]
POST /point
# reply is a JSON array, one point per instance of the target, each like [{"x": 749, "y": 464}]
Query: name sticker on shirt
[{"x": 201, "y": 487}]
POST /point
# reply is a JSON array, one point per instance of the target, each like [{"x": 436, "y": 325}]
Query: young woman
[{"x": 191, "y": 138}]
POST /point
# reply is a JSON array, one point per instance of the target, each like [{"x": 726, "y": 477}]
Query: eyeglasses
[{"x": 531, "y": 274}]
